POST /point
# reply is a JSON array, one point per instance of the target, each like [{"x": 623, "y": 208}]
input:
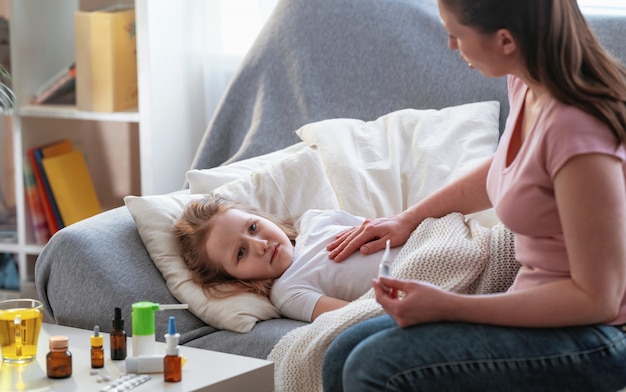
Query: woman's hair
[
  {"x": 560, "y": 50},
  {"x": 192, "y": 230}
]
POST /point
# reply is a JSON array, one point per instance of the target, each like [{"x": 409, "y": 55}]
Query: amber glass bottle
[
  {"x": 97, "y": 352},
  {"x": 59, "y": 359},
  {"x": 118, "y": 336},
  {"x": 172, "y": 363},
  {"x": 172, "y": 368}
]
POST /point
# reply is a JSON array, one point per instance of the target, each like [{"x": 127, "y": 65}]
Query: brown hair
[
  {"x": 560, "y": 50},
  {"x": 192, "y": 230}
]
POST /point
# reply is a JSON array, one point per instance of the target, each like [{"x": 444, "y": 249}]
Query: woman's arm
[
  {"x": 592, "y": 206},
  {"x": 466, "y": 195}
]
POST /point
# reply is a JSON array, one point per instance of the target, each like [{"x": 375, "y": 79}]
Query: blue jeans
[{"x": 377, "y": 355}]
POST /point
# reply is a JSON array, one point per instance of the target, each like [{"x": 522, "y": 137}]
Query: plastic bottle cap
[
  {"x": 143, "y": 318},
  {"x": 171, "y": 326},
  {"x": 58, "y": 342},
  {"x": 171, "y": 338},
  {"x": 96, "y": 339}
]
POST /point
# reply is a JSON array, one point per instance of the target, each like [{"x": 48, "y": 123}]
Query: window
[
  {"x": 241, "y": 21},
  {"x": 602, "y": 3},
  {"x": 603, "y": 6}
]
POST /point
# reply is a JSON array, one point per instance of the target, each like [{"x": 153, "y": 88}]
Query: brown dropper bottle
[
  {"x": 118, "y": 337},
  {"x": 97, "y": 352}
]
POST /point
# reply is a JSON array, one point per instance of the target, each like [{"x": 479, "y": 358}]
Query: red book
[{"x": 41, "y": 232}]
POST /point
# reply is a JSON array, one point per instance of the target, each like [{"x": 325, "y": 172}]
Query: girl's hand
[
  {"x": 417, "y": 302},
  {"x": 370, "y": 237}
]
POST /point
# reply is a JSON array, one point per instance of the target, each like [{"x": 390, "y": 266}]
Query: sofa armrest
[{"x": 89, "y": 268}]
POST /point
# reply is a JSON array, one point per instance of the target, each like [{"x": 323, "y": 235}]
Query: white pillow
[
  {"x": 155, "y": 217},
  {"x": 277, "y": 188},
  {"x": 379, "y": 168},
  {"x": 287, "y": 188},
  {"x": 205, "y": 180}
]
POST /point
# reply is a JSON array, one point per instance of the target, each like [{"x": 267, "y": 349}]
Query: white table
[{"x": 204, "y": 370}]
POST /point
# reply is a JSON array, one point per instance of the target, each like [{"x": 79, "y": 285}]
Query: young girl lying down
[{"x": 225, "y": 242}]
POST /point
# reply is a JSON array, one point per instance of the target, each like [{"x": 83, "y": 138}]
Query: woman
[
  {"x": 231, "y": 248},
  {"x": 557, "y": 181}
]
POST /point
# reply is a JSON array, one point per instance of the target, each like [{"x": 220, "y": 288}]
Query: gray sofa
[{"x": 314, "y": 60}]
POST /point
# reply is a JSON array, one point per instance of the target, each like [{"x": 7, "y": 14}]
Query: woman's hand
[
  {"x": 371, "y": 237},
  {"x": 418, "y": 302},
  {"x": 466, "y": 195}
]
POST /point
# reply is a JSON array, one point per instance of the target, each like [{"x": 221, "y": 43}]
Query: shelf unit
[{"x": 142, "y": 151}]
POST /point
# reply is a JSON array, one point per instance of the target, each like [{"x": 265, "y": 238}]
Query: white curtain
[
  {"x": 230, "y": 26},
  {"x": 224, "y": 30}
]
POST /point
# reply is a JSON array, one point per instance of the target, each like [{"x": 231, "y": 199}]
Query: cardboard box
[{"x": 106, "y": 60}]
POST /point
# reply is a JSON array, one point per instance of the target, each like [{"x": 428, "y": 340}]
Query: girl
[
  {"x": 225, "y": 242},
  {"x": 557, "y": 181}
]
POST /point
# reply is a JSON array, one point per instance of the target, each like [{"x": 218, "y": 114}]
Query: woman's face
[
  {"x": 480, "y": 51},
  {"x": 247, "y": 246}
]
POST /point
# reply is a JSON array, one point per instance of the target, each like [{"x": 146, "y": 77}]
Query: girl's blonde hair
[
  {"x": 560, "y": 50},
  {"x": 192, "y": 230}
]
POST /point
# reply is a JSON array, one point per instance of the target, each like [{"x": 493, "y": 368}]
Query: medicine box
[{"x": 106, "y": 59}]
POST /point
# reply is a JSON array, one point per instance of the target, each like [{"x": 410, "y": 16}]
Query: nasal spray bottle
[
  {"x": 143, "y": 326},
  {"x": 172, "y": 363}
]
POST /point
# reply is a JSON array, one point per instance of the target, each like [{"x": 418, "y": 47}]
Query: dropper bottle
[
  {"x": 97, "y": 352},
  {"x": 118, "y": 337},
  {"x": 172, "y": 363}
]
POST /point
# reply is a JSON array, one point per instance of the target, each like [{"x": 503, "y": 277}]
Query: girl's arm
[
  {"x": 592, "y": 205},
  {"x": 326, "y": 304},
  {"x": 466, "y": 195}
]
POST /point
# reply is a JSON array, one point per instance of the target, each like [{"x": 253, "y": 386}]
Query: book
[
  {"x": 106, "y": 59},
  {"x": 41, "y": 233},
  {"x": 60, "y": 85},
  {"x": 72, "y": 187},
  {"x": 35, "y": 156},
  {"x": 8, "y": 229}
]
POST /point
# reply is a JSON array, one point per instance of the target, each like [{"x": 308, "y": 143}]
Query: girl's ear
[{"x": 506, "y": 41}]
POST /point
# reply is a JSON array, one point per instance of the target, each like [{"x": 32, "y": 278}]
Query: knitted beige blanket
[{"x": 453, "y": 252}]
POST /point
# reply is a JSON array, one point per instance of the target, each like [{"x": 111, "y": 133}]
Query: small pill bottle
[
  {"x": 59, "y": 359},
  {"x": 97, "y": 352}
]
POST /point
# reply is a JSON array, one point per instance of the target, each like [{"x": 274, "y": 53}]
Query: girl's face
[
  {"x": 248, "y": 247},
  {"x": 483, "y": 52}
]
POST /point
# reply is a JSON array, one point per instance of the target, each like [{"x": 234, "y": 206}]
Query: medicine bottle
[
  {"x": 97, "y": 352},
  {"x": 118, "y": 337},
  {"x": 59, "y": 359},
  {"x": 172, "y": 363}
]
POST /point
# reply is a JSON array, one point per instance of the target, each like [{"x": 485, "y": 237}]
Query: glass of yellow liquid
[{"x": 20, "y": 324}]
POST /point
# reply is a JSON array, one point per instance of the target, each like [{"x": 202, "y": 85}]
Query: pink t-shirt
[{"x": 523, "y": 192}]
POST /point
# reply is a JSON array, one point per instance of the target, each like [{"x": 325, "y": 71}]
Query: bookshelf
[{"x": 141, "y": 151}]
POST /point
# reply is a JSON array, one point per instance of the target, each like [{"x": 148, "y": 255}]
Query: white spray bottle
[{"x": 143, "y": 326}]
